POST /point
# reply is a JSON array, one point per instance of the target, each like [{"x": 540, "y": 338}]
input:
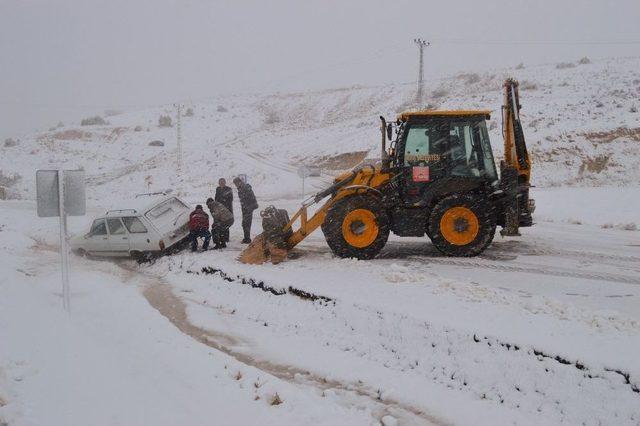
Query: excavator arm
[{"x": 516, "y": 166}]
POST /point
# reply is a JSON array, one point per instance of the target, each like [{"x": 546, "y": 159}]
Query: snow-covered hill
[{"x": 581, "y": 121}]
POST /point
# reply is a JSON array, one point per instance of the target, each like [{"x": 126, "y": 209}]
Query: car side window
[
  {"x": 98, "y": 228},
  {"x": 134, "y": 225},
  {"x": 115, "y": 226}
]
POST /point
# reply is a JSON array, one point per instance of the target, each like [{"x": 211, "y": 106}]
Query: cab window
[
  {"x": 98, "y": 228},
  {"x": 115, "y": 226},
  {"x": 424, "y": 144},
  {"x": 134, "y": 225}
]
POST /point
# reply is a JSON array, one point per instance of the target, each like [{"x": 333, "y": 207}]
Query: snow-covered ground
[{"x": 541, "y": 329}]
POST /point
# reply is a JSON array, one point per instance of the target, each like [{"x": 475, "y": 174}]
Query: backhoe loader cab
[{"x": 438, "y": 178}]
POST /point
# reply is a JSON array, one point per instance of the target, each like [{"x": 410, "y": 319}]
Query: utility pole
[
  {"x": 421, "y": 45},
  {"x": 179, "y": 136}
]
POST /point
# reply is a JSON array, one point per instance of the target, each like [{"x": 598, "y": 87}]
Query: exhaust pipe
[{"x": 384, "y": 156}]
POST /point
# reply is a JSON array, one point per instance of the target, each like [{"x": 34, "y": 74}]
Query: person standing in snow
[
  {"x": 224, "y": 195},
  {"x": 199, "y": 228},
  {"x": 222, "y": 221},
  {"x": 248, "y": 203}
]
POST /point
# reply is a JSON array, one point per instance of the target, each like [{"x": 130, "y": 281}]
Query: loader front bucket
[
  {"x": 272, "y": 244},
  {"x": 260, "y": 250},
  {"x": 255, "y": 253}
]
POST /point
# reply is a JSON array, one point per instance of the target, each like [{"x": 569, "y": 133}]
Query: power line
[{"x": 541, "y": 42}]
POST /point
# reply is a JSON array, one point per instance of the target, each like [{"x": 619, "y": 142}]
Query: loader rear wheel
[
  {"x": 357, "y": 227},
  {"x": 462, "y": 225}
]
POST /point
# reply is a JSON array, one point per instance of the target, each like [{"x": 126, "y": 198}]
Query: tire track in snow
[{"x": 161, "y": 297}]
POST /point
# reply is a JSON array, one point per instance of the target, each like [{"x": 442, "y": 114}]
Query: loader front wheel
[
  {"x": 462, "y": 225},
  {"x": 357, "y": 227}
]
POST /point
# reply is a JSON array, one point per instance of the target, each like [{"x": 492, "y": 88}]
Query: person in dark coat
[
  {"x": 248, "y": 204},
  {"x": 224, "y": 195},
  {"x": 199, "y": 228},
  {"x": 222, "y": 221}
]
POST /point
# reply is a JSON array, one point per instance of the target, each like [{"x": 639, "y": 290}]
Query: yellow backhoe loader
[{"x": 438, "y": 178}]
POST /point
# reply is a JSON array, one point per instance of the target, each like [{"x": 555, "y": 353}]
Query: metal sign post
[
  {"x": 64, "y": 249},
  {"x": 61, "y": 193},
  {"x": 303, "y": 172}
]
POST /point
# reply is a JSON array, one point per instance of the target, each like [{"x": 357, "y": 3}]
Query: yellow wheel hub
[
  {"x": 359, "y": 228},
  {"x": 459, "y": 226}
]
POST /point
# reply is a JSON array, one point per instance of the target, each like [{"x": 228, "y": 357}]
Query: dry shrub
[
  {"x": 164, "y": 121},
  {"x": 221, "y": 109},
  {"x": 93, "y": 121},
  {"x": 189, "y": 112},
  {"x": 594, "y": 165},
  {"x": 469, "y": 78},
  {"x": 9, "y": 180},
  {"x": 276, "y": 400},
  {"x": 440, "y": 93},
  {"x": 565, "y": 65},
  {"x": 528, "y": 85},
  {"x": 584, "y": 61},
  {"x": 271, "y": 117},
  {"x": 9, "y": 142}
]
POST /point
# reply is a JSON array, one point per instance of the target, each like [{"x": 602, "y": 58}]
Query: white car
[{"x": 139, "y": 232}]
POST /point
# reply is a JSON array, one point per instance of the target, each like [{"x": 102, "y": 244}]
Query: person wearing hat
[
  {"x": 248, "y": 204},
  {"x": 199, "y": 228},
  {"x": 222, "y": 221},
  {"x": 224, "y": 195}
]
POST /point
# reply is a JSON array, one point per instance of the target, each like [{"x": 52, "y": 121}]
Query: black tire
[
  {"x": 460, "y": 240},
  {"x": 142, "y": 256},
  {"x": 332, "y": 228},
  {"x": 81, "y": 252}
]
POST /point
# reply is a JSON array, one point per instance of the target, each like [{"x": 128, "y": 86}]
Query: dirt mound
[
  {"x": 71, "y": 135},
  {"x": 608, "y": 136},
  {"x": 343, "y": 161}
]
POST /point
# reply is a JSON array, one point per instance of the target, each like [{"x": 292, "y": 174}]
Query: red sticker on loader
[{"x": 421, "y": 174}]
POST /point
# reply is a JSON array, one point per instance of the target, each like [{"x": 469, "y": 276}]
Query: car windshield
[{"x": 460, "y": 148}]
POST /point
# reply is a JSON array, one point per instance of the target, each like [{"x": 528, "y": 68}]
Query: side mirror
[{"x": 389, "y": 131}]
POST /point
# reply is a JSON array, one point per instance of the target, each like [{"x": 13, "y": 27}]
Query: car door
[
  {"x": 98, "y": 239},
  {"x": 118, "y": 237},
  {"x": 140, "y": 238}
]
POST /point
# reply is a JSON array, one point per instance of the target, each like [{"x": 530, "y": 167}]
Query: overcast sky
[{"x": 61, "y": 60}]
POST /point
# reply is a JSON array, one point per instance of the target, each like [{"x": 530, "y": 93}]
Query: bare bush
[
  {"x": 565, "y": 65},
  {"x": 221, "y": 109},
  {"x": 276, "y": 400},
  {"x": 271, "y": 117},
  {"x": 164, "y": 121},
  {"x": 440, "y": 93},
  {"x": 111, "y": 112},
  {"x": 189, "y": 112},
  {"x": 9, "y": 180},
  {"x": 93, "y": 121},
  {"x": 633, "y": 109},
  {"x": 584, "y": 61},
  {"x": 528, "y": 85},
  {"x": 520, "y": 66},
  {"x": 469, "y": 78},
  {"x": 9, "y": 142},
  {"x": 137, "y": 128}
]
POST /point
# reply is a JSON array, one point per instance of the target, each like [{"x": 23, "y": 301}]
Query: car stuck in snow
[{"x": 159, "y": 225}]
